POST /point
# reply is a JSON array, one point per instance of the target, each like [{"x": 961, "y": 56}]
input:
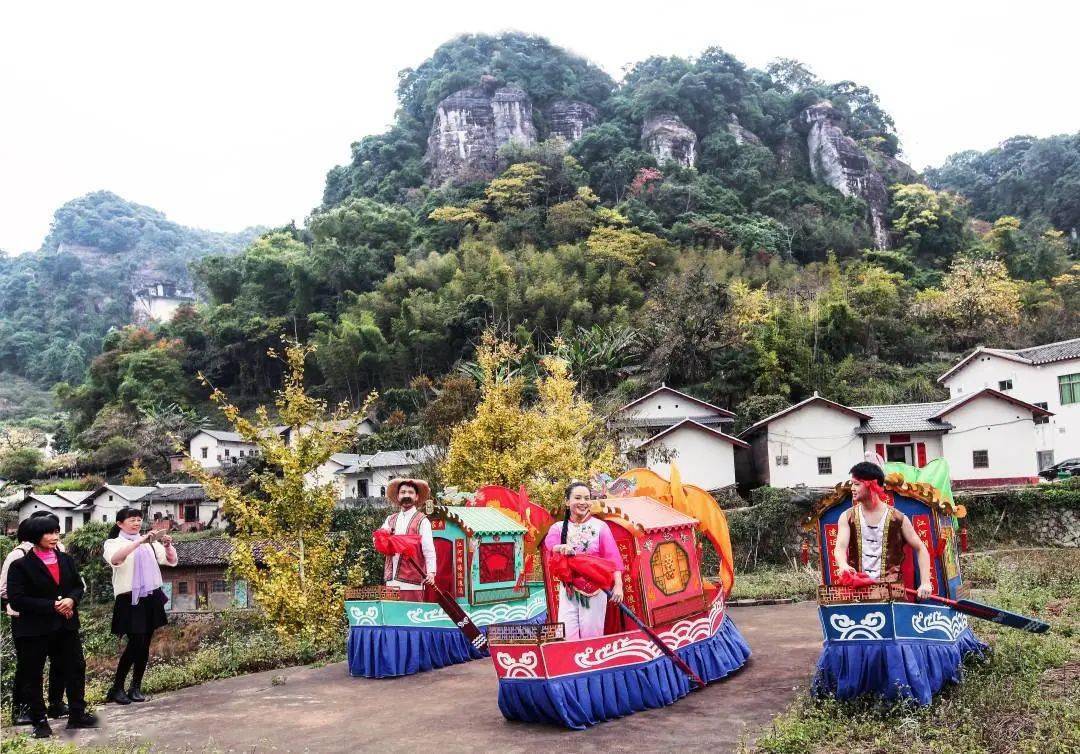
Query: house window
[
  {"x": 227, "y": 452},
  {"x": 205, "y": 452},
  {"x": 1004, "y": 385},
  {"x": 980, "y": 459},
  {"x": 1045, "y": 459},
  {"x": 110, "y": 498},
  {"x": 219, "y": 586},
  {"x": 1069, "y": 387},
  {"x": 781, "y": 460},
  {"x": 191, "y": 512},
  {"x": 362, "y": 488},
  {"x": 105, "y": 519},
  {"x": 1041, "y": 419},
  {"x": 181, "y": 587},
  {"x": 824, "y": 464},
  {"x": 241, "y": 454},
  {"x": 67, "y": 524},
  {"x": 382, "y": 492}
]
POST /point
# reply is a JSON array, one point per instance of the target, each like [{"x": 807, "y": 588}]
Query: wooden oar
[
  {"x": 989, "y": 612},
  {"x": 680, "y": 663},
  {"x": 454, "y": 611}
]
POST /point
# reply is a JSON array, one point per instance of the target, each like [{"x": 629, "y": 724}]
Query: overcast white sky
[{"x": 228, "y": 114}]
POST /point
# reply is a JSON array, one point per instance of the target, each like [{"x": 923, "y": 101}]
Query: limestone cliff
[
  {"x": 837, "y": 161},
  {"x": 667, "y": 138},
  {"x": 469, "y": 128},
  {"x": 569, "y": 118},
  {"x": 742, "y": 135}
]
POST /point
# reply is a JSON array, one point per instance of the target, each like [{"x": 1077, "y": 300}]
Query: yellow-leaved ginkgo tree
[
  {"x": 542, "y": 446},
  {"x": 281, "y": 514}
]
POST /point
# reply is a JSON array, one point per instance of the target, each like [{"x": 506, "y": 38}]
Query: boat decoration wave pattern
[
  {"x": 868, "y": 627},
  {"x": 951, "y": 627},
  {"x": 523, "y": 666}
]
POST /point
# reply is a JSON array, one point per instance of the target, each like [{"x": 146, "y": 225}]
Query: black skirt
[{"x": 144, "y": 618}]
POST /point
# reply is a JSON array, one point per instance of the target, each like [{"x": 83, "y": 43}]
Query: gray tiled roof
[
  {"x": 904, "y": 417},
  {"x": 1060, "y": 351},
  {"x": 385, "y": 459},
  {"x": 215, "y": 551},
  {"x": 665, "y": 422}
]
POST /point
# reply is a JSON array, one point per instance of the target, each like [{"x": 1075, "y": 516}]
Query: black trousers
[
  {"x": 56, "y": 682},
  {"x": 136, "y": 655},
  {"x": 65, "y": 647}
]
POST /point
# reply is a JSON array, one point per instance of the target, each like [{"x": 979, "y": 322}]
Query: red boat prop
[{"x": 671, "y": 633}]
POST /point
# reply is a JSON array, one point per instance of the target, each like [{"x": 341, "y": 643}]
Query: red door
[{"x": 444, "y": 565}]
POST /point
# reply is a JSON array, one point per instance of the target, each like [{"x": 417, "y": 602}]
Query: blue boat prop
[{"x": 877, "y": 640}]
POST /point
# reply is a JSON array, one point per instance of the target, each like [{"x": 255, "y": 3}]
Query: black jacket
[{"x": 33, "y": 594}]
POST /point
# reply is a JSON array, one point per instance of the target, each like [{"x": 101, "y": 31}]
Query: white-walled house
[
  {"x": 371, "y": 474},
  {"x": 985, "y": 436},
  {"x": 813, "y": 443},
  {"x": 69, "y": 506},
  {"x": 366, "y": 427},
  {"x": 665, "y": 407},
  {"x": 158, "y": 302},
  {"x": 704, "y": 456},
  {"x": 1047, "y": 376},
  {"x": 214, "y": 448},
  {"x": 105, "y": 501},
  {"x": 331, "y": 472},
  {"x": 183, "y": 506}
]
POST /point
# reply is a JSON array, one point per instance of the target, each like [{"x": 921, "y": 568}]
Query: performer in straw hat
[{"x": 410, "y": 494}]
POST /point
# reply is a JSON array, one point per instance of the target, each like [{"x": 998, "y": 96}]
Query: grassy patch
[
  {"x": 23, "y": 744},
  {"x": 776, "y": 582},
  {"x": 1026, "y": 698}
]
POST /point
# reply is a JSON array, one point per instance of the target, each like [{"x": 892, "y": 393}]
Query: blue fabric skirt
[
  {"x": 391, "y": 651},
  {"x": 893, "y": 668},
  {"x": 585, "y": 699}
]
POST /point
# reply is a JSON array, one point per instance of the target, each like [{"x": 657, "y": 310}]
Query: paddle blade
[{"x": 1004, "y": 617}]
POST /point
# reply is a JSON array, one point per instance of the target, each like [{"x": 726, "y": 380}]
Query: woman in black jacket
[{"x": 44, "y": 587}]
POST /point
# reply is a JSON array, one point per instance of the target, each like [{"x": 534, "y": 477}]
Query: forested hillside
[
  {"x": 1037, "y": 180},
  {"x": 748, "y": 235},
  {"x": 57, "y": 303}
]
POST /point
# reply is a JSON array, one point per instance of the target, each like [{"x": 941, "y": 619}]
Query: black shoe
[
  {"x": 58, "y": 710},
  {"x": 22, "y": 717},
  {"x": 42, "y": 729},
  {"x": 82, "y": 720},
  {"x": 135, "y": 694},
  {"x": 118, "y": 696}
]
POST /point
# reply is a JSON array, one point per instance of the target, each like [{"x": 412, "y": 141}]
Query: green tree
[
  {"x": 86, "y": 544},
  {"x": 283, "y": 546},
  {"x": 21, "y": 464}
]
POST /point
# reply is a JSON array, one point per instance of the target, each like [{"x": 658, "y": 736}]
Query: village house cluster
[{"x": 1007, "y": 419}]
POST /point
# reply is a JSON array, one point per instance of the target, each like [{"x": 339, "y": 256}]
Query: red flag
[{"x": 397, "y": 544}]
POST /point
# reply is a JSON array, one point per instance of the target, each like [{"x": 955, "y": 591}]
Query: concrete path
[{"x": 455, "y": 709}]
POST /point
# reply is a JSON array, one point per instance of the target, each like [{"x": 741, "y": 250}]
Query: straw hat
[{"x": 423, "y": 490}]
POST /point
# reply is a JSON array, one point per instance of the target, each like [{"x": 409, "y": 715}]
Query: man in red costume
[
  {"x": 409, "y": 494},
  {"x": 870, "y": 536}
]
